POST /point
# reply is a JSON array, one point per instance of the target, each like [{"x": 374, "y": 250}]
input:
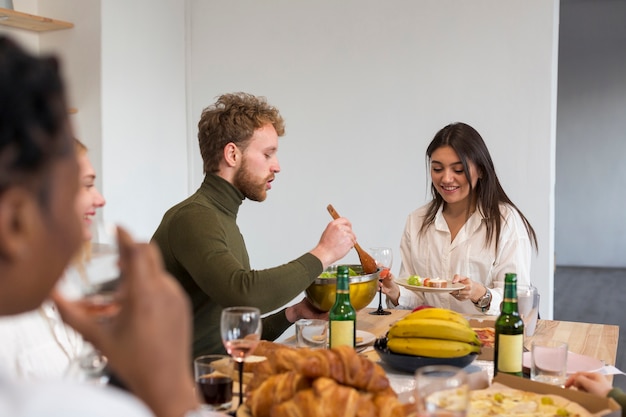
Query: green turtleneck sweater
[{"x": 203, "y": 248}]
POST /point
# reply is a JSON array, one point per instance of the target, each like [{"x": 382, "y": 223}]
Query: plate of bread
[{"x": 429, "y": 285}]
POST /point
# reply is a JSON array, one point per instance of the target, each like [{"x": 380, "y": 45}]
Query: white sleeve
[{"x": 60, "y": 399}]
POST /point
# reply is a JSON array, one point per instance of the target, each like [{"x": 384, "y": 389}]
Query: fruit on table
[
  {"x": 432, "y": 348},
  {"x": 433, "y": 332},
  {"x": 414, "y": 280}
]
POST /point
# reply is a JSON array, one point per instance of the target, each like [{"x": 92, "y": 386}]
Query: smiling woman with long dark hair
[{"x": 469, "y": 233}]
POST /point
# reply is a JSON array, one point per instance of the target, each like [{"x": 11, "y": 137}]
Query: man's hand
[
  {"x": 304, "y": 310},
  {"x": 336, "y": 241}
]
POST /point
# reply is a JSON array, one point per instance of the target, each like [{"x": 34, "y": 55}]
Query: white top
[
  {"x": 37, "y": 344},
  {"x": 60, "y": 399},
  {"x": 434, "y": 255}
]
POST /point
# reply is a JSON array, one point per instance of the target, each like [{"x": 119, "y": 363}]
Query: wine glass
[
  {"x": 384, "y": 258},
  {"x": 93, "y": 282},
  {"x": 241, "y": 332},
  {"x": 95, "y": 277}
]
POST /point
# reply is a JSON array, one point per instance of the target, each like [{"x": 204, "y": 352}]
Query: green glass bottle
[
  {"x": 342, "y": 315},
  {"x": 509, "y": 346}
]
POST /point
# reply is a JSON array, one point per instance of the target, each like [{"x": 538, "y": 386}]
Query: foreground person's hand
[
  {"x": 590, "y": 382},
  {"x": 148, "y": 342}
]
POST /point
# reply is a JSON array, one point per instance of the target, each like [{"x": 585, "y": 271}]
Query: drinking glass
[
  {"x": 241, "y": 332},
  {"x": 95, "y": 279},
  {"x": 93, "y": 282},
  {"x": 384, "y": 258},
  {"x": 528, "y": 306},
  {"x": 441, "y": 390},
  {"x": 214, "y": 380}
]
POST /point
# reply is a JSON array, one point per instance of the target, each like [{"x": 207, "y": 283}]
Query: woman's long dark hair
[{"x": 469, "y": 146}]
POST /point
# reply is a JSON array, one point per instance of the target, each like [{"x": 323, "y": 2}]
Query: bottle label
[
  {"x": 341, "y": 333},
  {"x": 510, "y": 351}
]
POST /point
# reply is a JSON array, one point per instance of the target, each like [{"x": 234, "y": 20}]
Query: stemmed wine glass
[
  {"x": 93, "y": 282},
  {"x": 241, "y": 332},
  {"x": 384, "y": 258}
]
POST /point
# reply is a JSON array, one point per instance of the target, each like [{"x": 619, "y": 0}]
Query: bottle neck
[{"x": 509, "y": 303}]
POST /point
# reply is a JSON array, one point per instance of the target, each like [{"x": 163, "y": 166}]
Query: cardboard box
[
  {"x": 486, "y": 353},
  {"x": 605, "y": 407}
]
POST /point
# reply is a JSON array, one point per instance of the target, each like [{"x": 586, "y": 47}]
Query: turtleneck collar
[{"x": 222, "y": 192}]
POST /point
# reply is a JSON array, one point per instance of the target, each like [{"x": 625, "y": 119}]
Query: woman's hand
[
  {"x": 591, "y": 382},
  {"x": 389, "y": 287},
  {"x": 473, "y": 290}
]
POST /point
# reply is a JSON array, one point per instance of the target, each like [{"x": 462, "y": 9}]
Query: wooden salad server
[{"x": 367, "y": 262}]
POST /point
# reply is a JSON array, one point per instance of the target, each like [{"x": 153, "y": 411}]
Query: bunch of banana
[{"x": 433, "y": 332}]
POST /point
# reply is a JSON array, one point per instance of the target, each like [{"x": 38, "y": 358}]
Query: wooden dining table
[{"x": 590, "y": 339}]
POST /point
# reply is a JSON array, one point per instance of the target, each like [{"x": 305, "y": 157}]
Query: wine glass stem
[
  {"x": 380, "y": 299},
  {"x": 240, "y": 364}
]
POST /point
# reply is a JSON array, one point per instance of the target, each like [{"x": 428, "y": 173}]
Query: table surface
[{"x": 595, "y": 340}]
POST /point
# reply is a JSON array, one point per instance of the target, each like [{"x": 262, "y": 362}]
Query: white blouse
[
  {"x": 37, "y": 344},
  {"x": 434, "y": 255}
]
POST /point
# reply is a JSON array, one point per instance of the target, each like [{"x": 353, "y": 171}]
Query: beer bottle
[
  {"x": 509, "y": 346},
  {"x": 342, "y": 315}
]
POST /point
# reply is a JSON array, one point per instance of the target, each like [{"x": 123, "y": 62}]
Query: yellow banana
[
  {"x": 434, "y": 348},
  {"x": 433, "y": 329},
  {"x": 437, "y": 313}
]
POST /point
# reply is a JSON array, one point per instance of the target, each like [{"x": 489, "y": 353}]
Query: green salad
[{"x": 327, "y": 274}]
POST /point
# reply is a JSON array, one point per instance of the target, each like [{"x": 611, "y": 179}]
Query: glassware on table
[
  {"x": 214, "y": 380},
  {"x": 549, "y": 362},
  {"x": 384, "y": 259},
  {"x": 528, "y": 306},
  {"x": 241, "y": 331},
  {"x": 441, "y": 390},
  {"x": 312, "y": 333}
]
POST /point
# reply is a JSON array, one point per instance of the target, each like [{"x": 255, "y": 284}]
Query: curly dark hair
[
  {"x": 233, "y": 118},
  {"x": 34, "y": 129},
  {"x": 470, "y": 146}
]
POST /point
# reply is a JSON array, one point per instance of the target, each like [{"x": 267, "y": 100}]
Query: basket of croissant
[{"x": 318, "y": 382}]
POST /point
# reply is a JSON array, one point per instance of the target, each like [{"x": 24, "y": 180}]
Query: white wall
[
  {"x": 364, "y": 86},
  {"x": 144, "y": 124},
  {"x": 591, "y": 143}
]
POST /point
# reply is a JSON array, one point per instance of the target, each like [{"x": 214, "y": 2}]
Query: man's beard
[{"x": 245, "y": 182}]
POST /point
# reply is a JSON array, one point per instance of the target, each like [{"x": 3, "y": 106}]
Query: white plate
[
  {"x": 366, "y": 336},
  {"x": 420, "y": 288},
  {"x": 575, "y": 362}
]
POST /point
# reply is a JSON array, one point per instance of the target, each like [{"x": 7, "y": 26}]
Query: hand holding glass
[
  {"x": 94, "y": 280},
  {"x": 384, "y": 259}
]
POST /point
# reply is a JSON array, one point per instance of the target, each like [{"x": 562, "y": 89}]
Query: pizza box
[
  {"x": 486, "y": 353},
  {"x": 599, "y": 406}
]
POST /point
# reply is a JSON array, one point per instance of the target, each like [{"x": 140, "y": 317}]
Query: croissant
[
  {"x": 342, "y": 364},
  {"x": 326, "y": 399},
  {"x": 274, "y": 390},
  {"x": 345, "y": 366}
]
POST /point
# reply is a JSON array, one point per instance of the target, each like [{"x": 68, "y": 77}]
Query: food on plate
[
  {"x": 418, "y": 308},
  {"x": 435, "y": 283},
  {"x": 487, "y": 336},
  {"x": 433, "y": 332},
  {"x": 509, "y": 402},
  {"x": 322, "y": 382},
  {"x": 414, "y": 280}
]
